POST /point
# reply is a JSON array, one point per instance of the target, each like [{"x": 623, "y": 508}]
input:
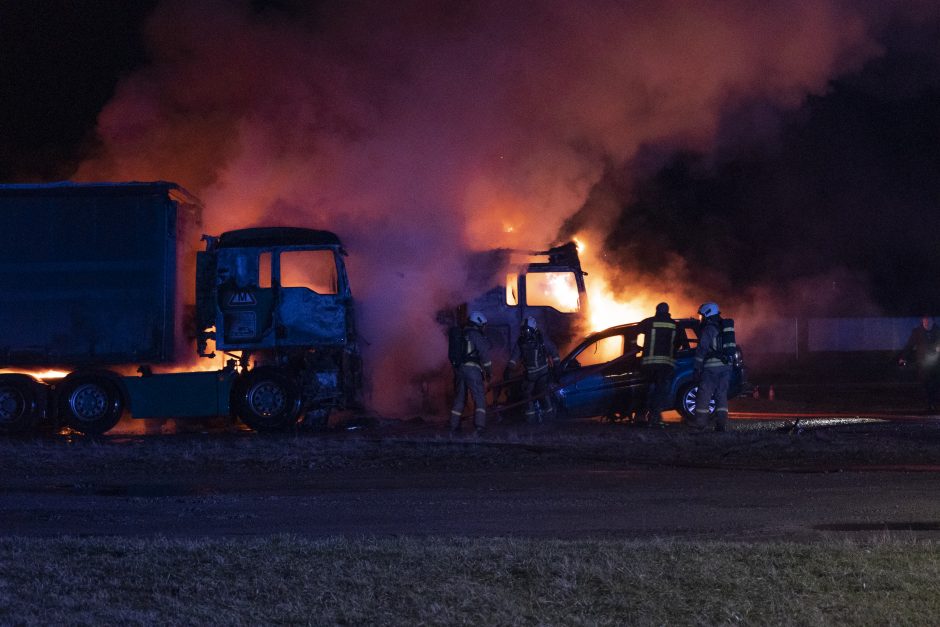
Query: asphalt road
[{"x": 629, "y": 502}]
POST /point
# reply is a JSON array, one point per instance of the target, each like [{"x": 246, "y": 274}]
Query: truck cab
[
  {"x": 548, "y": 285},
  {"x": 280, "y": 296}
]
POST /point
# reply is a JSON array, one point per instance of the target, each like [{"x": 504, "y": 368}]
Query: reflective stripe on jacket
[
  {"x": 660, "y": 344},
  {"x": 713, "y": 342}
]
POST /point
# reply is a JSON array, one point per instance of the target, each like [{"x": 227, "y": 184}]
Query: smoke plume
[{"x": 421, "y": 130}]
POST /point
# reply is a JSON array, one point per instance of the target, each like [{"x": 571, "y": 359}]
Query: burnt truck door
[
  {"x": 245, "y": 299},
  {"x": 313, "y": 297}
]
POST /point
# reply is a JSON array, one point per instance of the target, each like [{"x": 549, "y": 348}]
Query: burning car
[{"x": 602, "y": 376}]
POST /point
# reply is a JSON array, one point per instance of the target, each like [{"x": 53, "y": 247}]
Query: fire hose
[{"x": 498, "y": 388}]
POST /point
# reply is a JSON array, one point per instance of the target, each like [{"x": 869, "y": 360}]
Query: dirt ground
[{"x": 783, "y": 471}]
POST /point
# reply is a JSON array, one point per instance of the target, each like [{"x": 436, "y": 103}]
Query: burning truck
[
  {"x": 548, "y": 285},
  {"x": 92, "y": 277}
]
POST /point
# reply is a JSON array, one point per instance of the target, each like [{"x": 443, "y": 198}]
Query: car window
[
  {"x": 689, "y": 339},
  {"x": 603, "y": 350}
]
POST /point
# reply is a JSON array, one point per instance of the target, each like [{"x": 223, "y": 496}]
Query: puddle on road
[{"x": 911, "y": 525}]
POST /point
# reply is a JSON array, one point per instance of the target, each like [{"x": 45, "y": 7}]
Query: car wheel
[
  {"x": 685, "y": 401},
  {"x": 19, "y": 405},
  {"x": 267, "y": 400},
  {"x": 90, "y": 403}
]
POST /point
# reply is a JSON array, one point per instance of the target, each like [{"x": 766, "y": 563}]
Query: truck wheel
[
  {"x": 685, "y": 401},
  {"x": 19, "y": 405},
  {"x": 90, "y": 403},
  {"x": 266, "y": 400}
]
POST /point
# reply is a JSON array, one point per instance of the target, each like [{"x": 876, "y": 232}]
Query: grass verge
[{"x": 465, "y": 581}]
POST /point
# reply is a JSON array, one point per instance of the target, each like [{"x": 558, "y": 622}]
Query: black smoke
[{"x": 841, "y": 194}]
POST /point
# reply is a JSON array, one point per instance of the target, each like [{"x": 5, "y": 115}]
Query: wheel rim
[
  {"x": 267, "y": 399},
  {"x": 12, "y": 404},
  {"x": 88, "y": 402},
  {"x": 689, "y": 401}
]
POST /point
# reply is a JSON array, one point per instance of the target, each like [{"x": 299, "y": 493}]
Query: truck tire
[
  {"x": 19, "y": 405},
  {"x": 90, "y": 403},
  {"x": 267, "y": 400},
  {"x": 685, "y": 401}
]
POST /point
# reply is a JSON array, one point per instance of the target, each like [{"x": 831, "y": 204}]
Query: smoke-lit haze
[{"x": 418, "y": 131}]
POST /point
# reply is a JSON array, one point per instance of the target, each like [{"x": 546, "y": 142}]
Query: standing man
[
  {"x": 534, "y": 351},
  {"x": 713, "y": 361},
  {"x": 924, "y": 346},
  {"x": 658, "y": 361},
  {"x": 474, "y": 365}
]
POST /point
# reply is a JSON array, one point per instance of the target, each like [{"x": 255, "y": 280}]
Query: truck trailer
[{"x": 104, "y": 293}]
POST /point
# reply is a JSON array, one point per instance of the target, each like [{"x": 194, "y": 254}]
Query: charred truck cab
[
  {"x": 93, "y": 276},
  {"x": 278, "y": 300},
  {"x": 546, "y": 284}
]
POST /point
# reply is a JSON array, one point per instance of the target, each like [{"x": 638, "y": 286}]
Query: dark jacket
[
  {"x": 478, "y": 349},
  {"x": 533, "y": 352},
  {"x": 660, "y": 342},
  {"x": 710, "y": 344}
]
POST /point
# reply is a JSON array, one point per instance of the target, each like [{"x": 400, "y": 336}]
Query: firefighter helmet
[
  {"x": 662, "y": 308},
  {"x": 531, "y": 323},
  {"x": 477, "y": 318},
  {"x": 708, "y": 310}
]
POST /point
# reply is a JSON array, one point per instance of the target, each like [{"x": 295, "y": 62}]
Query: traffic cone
[{"x": 770, "y": 394}]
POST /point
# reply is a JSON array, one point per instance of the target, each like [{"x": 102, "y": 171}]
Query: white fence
[{"x": 796, "y": 335}]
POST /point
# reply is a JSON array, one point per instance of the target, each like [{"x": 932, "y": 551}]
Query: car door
[
  {"x": 600, "y": 376},
  {"x": 624, "y": 382}
]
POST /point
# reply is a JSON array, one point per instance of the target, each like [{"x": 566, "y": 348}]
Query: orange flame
[
  {"x": 36, "y": 374},
  {"x": 609, "y": 305}
]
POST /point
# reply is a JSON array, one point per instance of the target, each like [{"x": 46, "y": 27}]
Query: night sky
[
  {"x": 837, "y": 192},
  {"x": 846, "y": 187}
]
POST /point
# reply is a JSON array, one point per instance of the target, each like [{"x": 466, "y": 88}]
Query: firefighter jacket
[
  {"x": 659, "y": 346},
  {"x": 716, "y": 343},
  {"x": 533, "y": 350},
  {"x": 477, "y": 349},
  {"x": 922, "y": 345}
]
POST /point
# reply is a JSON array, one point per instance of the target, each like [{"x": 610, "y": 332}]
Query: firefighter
[
  {"x": 714, "y": 356},
  {"x": 474, "y": 367},
  {"x": 535, "y": 352},
  {"x": 924, "y": 346},
  {"x": 658, "y": 361}
]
